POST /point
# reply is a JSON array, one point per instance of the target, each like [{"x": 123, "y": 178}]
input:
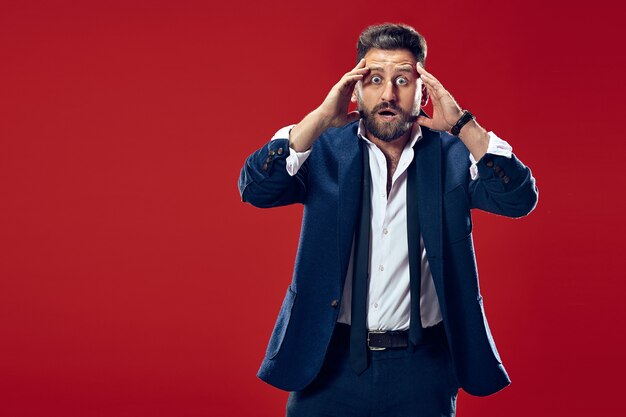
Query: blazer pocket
[
  {"x": 280, "y": 328},
  {"x": 457, "y": 217}
]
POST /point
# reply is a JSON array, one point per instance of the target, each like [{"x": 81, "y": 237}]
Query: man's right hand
[
  {"x": 335, "y": 107},
  {"x": 333, "y": 112}
]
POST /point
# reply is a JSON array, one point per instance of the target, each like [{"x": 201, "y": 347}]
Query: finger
[
  {"x": 435, "y": 89},
  {"x": 353, "y": 116},
  {"x": 359, "y": 71},
  {"x": 352, "y": 79},
  {"x": 360, "y": 64},
  {"x": 350, "y": 75},
  {"x": 431, "y": 90},
  {"x": 422, "y": 70},
  {"x": 348, "y": 83},
  {"x": 425, "y": 121},
  {"x": 429, "y": 80}
]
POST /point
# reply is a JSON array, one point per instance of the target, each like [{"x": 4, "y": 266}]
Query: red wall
[{"x": 133, "y": 281}]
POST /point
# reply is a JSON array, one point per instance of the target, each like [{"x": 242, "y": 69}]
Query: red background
[{"x": 133, "y": 281}]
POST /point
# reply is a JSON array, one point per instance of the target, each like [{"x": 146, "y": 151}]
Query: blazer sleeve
[
  {"x": 264, "y": 180},
  {"x": 504, "y": 186}
]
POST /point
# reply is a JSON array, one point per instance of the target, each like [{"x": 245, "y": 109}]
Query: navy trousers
[{"x": 408, "y": 382}]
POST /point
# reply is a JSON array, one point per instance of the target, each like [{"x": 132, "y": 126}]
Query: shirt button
[
  {"x": 385, "y": 231},
  {"x": 381, "y": 268},
  {"x": 375, "y": 305}
]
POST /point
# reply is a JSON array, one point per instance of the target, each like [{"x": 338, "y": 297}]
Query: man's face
[{"x": 390, "y": 95}]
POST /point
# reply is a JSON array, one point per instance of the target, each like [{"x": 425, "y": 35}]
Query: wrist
[
  {"x": 473, "y": 129},
  {"x": 465, "y": 118},
  {"x": 455, "y": 119},
  {"x": 475, "y": 138}
]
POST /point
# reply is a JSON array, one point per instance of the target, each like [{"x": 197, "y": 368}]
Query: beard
[{"x": 387, "y": 131}]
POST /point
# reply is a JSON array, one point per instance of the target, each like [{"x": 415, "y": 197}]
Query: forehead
[{"x": 389, "y": 60}]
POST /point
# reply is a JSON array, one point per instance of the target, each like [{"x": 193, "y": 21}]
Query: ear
[
  {"x": 353, "y": 98},
  {"x": 425, "y": 96}
]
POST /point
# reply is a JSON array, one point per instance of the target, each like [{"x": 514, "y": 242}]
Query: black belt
[{"x": 380, "y": 340}]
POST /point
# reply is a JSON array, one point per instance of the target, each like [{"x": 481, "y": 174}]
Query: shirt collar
[{"x": 416, "y": 134}]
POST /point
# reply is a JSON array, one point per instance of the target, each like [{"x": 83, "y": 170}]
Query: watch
[{"x": 467, "y": 116}]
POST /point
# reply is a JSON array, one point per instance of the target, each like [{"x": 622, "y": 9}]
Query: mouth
[{"x": 387, "y": 114}]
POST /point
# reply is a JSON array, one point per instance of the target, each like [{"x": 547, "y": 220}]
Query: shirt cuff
[
  {"x": 295, "y": 159},
  {"x": 496, "y": 146}
]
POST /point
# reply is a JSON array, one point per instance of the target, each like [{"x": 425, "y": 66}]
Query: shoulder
[{"x": 335, "y": 144}]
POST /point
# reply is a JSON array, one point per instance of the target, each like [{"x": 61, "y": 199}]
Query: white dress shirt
[{"x": 389, "y": 296}]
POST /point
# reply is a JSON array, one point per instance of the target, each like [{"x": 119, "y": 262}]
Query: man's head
[
  {"x": 390, "y": 95},
  {"x": 390, "y": 37}
]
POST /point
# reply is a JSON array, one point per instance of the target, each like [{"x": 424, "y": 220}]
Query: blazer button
[
  {"x": 489, "y": 163},
  {"x": 265, "y": 166},
  {"x": 280, "y": 151},
  {"x": 334, "y": 303},
  {"x": 506, "y": 179},
  {"x": 501, "y": 174},
  {"x": 272, "y": 152},
  {"x": 497, "y": 169}
]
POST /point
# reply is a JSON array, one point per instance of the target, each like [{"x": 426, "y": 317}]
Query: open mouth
[{"x": 387, "y": 114}]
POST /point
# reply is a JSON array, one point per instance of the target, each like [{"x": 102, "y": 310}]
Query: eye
[
  {"x": 401, "y": 81},
  {"x": 376, "y": 79}
]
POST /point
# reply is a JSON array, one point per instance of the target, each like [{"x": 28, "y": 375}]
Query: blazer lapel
[
  {"x": 350, "y": 174},
  {"x": 429, "y": 197}
]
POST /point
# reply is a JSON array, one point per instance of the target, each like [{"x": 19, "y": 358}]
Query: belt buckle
[{"x": 368, "y": 340}]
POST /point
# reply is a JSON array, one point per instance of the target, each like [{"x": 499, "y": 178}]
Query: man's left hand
[{"x": 446, "y": 111}]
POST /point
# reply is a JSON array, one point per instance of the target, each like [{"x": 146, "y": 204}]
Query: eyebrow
[{"x": 405, "y": 68}]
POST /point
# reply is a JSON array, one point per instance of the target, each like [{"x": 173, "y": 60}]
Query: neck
[
  {"x": 392, "y": 151},
  {"x": 394, "y": 148}
]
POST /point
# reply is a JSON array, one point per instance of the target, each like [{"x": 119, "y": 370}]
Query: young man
[{"x": 384, "y": 314}]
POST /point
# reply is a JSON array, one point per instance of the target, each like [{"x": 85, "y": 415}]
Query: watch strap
[{"x": 465, "y": 119}]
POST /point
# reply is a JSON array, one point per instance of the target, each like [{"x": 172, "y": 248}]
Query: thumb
[
  {"x": 425, "y": 121},
  {"x": 353, "y": 116}
]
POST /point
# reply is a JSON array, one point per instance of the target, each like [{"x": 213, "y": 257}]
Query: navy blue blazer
[{"x": 328, "y": 184}]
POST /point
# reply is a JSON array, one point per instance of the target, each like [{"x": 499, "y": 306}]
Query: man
[{"x": 384, "y": 315}]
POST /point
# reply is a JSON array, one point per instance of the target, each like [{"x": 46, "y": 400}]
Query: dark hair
[{"x": 389, "y": 36}]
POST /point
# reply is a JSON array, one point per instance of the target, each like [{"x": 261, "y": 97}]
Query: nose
[{"x": 389, "y": 92}]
